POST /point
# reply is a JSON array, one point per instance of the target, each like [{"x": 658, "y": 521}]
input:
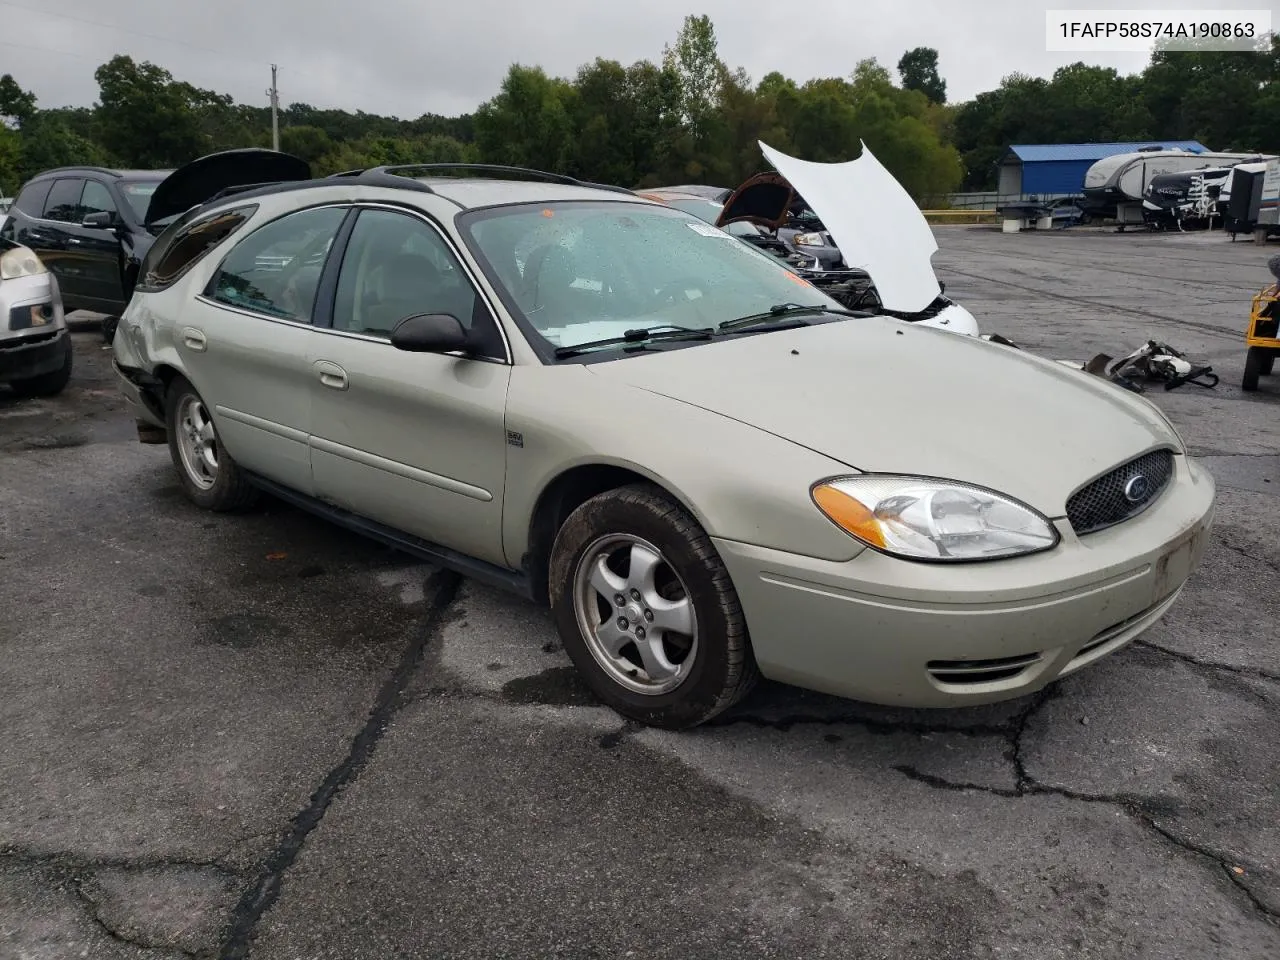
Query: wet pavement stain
[
  {"x": 55, "y": 441},
  {"x": 243, "y": 630},
  {"x": 557, "y": 687}
]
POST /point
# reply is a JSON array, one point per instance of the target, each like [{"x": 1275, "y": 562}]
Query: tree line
[{"x": 687, "y": 118}]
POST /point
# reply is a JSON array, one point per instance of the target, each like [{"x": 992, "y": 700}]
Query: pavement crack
[
  {"x": 1243, "y": 552},
  {"x": 95, "y": 914},
  {"x": 1136, "y": 808},
  {"x": 1256, "y": 672},
  {"x": 442, "y": 589},
  {"x": 882, "y": 727},
  {"x": 66, "y": 862}
]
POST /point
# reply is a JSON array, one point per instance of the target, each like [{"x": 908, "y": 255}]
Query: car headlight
[
  {"x": 809, "y": 240},
  {"x": 936, "y": 520},
  {"x": 20, "y": 262}
]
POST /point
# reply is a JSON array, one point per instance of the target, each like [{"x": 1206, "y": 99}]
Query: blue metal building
[{"x": 1055, "y": 169}]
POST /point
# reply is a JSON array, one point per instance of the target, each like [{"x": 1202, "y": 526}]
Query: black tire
[
  {"x": 1268, "y": 362},
  {"x": 230, "y": 490},
  {"x": 109, "y": 325},
  {"x": 1252, "y": 369},
  {"x": 49, "y": 384},
  {"x": 724, "y": 669}
]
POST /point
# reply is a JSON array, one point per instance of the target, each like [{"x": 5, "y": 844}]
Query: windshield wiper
[
  {"x": 638, "y": 337},
  {"x": 784, "y": 310}
]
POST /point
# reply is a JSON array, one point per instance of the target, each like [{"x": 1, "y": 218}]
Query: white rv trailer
[{"x": 1120, "y": 181}]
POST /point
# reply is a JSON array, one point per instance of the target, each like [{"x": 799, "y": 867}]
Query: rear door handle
[
  {"x": 194, "y": 339},
  {"x": 331, "y": 375}
]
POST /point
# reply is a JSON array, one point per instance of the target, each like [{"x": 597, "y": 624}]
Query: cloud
[{"x": 406, "y": 57}]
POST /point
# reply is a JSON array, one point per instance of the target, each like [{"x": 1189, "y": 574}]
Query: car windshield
[
  {"x": 577, "y": 272},
  {"x": 138, "y": 194}
]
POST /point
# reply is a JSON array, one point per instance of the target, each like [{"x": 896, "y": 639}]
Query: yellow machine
[{"x": 1263, "y": 335}]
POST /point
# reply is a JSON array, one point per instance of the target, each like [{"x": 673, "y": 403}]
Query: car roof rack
[
  {"x": 398, "y": 170},
  {"x": 78, "y": 168}
]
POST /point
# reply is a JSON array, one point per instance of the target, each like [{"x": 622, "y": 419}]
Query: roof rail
[
  {"x": 80, "y": 168},
  {"x": 379, "y": 177},
  {"x": 492, "y": 168}
]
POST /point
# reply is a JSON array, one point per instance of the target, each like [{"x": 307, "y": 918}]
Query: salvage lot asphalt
[{"x": 261, "y": 736}]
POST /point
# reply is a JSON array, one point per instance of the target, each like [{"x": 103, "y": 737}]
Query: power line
[
  {"x": 61, "y": 53},
  {"x": 116, "y": 27}
]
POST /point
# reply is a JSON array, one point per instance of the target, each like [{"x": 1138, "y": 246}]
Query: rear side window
[
  {"x": 276, "y": 269},
  {"x": 63, "y": 204},
  {"x": 31, "y": 200},
  {"x": 173, "y": 255}
]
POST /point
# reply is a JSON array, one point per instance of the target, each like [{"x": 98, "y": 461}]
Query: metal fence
[{"x": 987, "y": 200}]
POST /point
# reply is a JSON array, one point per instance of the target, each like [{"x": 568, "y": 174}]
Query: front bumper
[
  {"x": 889, "y": 631},
  {"x": 33, "y": 356},
  {"x": 33, "y": 330}
]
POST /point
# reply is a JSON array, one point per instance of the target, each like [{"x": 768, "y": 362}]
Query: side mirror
[
  {"x": 99, "y": 220},
  {"x": 430, "y": 333}
]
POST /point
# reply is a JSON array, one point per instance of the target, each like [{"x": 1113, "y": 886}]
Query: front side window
[
  {"x": 576, "y": 272},
  {"x": 276, "y": 269},
  {"x": 398, "y": 266},
  {"x": 138, "y": 195},
  {"x": 95, "y": 199},
  {"x": 63, "y": 203}
]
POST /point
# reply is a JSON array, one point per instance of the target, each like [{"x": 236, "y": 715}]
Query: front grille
[{"x": 1121, "y": 494}]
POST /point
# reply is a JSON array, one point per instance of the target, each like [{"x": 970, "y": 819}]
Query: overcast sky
[{"x": 409, "y": 57}]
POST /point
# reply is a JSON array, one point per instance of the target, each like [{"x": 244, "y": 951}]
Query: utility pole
[{"x": 275, "y": 111}]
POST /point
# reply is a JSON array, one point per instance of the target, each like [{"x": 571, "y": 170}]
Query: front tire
[
  {"x": 210, "y": 478},
  {"x": 647, "y": 612}
]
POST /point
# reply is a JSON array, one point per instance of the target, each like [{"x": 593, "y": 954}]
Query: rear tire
[
  {"x": 49, "y": 384},
  {"x": 1268, "y": 361},
  {"x": 669, "y": 649},
  {"x": 210, "y": 478}
]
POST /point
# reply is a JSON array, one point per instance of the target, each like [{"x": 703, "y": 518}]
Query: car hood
[
  {"x": 873, "y": 221},
  {"x": 883, "y": 395},
  {"x": 200, "y": 179},
  {"x": 764, "y": 199}
]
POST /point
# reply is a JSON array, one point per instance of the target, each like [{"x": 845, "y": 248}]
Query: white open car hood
[{"x": 874, "y": 222}]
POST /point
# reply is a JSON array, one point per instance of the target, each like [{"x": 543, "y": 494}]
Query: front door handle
[
  {"x": 194, "y": 339},
  {"x": 331, "y": 375}
]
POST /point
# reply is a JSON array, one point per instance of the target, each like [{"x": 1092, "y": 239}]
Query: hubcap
[
  {"x": 635, "y": 614},
  {"x": 197, "y": 443}
]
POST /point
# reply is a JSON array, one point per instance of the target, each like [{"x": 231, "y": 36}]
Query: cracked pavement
[{"x": 262, "y": 737}]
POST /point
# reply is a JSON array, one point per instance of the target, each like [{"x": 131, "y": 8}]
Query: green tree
[
  {"x": 695, "y": 60},
  {"x": 145, "y": 118},
  {"x": 17, "y": 106},
  {"x": 918, "y": 70},
  {"x": 529, "y": 122}
]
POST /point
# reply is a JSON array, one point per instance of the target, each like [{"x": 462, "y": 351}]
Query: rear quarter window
[
  {"x": 182, "y": 246},
  {"x": 31, "y": 200}
]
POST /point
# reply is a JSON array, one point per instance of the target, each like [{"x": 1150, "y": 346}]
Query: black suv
[{"x": 92, "y": 226}]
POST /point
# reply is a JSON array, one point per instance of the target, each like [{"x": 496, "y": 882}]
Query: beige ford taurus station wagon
[{"x": 705, "y": 467}]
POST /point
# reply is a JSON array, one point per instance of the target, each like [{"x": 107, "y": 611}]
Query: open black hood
[
  {"x": 201, "y": 179},
  {"x": 766, "y": 199}
]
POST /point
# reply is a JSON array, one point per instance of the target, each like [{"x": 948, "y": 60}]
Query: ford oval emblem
[{"x": 1136, "y": 490}]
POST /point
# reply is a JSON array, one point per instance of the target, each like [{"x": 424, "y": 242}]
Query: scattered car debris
[{"x": 1153, "y": 361}]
